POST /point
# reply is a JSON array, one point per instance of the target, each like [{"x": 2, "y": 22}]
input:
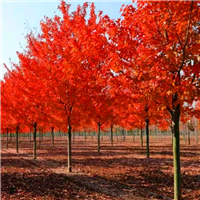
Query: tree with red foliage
[
  {"x": 60, "y": 57},
  {"x": 162, "y": 47}
]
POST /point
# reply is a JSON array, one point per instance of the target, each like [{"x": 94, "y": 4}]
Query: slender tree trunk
[
  {"x": 141, "y": 137},
  {"x": 10, "y": 136},
  {"x": 34, "y": 140},
  {"x": 123, "y": 131},
  {"x": 188, "y": 136},
  {"x": 117, "y": 134},
  {"x": 69, "y": 149},
  {"x": 78, "y": 134},
  {"x": 147, "y": 137},
  {"x": 160, "y": 135},
  {"x": 60, "y": 134},
  {"x": 176, "y": 152},
  {"x": 7, "y": 139},
  {"x": 99, "y": 132},
  {"x": 42, "y": 134},
  {"x": 52, "y": 135},
  {"x": 17, "y": 139},
  {"x": 155, "y": 133},
  {"x": 111, "y": 134},
  {"x": 30, "y": 135},
  {"x": 85, "y": 135},
  {"x": 133, "y": 135}
]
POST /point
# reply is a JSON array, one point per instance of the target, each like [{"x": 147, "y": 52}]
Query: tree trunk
[
  {"x": 17, "y": 139},
  {"x": 60, "y": 134},
  {"x": 155, "y": 133},
  {"x": 30, "y": 135},
  {"x": 117, "y": 134},
  {"x": 160, "y": 135},
  {"x": 42, "y": 134},
  {"x": 85, "y": 135},
  {"x": 111, "y": 134},
  {"x": 123, "y": 131},
  {"x": 7, "y": 139},
  {"x": 34, "y": 140},
  {"x": 133, "y": 135},
  {"x": 99, "y": 132},
  {"x": 52, "y": 135},
  {"x": 10, "y": 136},
  {"x": 147, "y": 137},
  {"x": 188, "y": 136},
  {"x": 141, "y": 138},
  {"x": 175, "y": 114},
  {"x": 69, "y": 149}
]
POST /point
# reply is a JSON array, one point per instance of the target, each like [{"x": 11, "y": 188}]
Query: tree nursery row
[{"x": 86, "y": 73}]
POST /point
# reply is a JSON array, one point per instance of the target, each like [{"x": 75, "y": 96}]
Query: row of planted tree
[
  {"x": 85, "y": 71},
  {"x": 188, "y": 133}
]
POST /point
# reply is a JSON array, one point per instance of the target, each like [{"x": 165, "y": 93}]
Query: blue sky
[{"x": 18, "y": 18}]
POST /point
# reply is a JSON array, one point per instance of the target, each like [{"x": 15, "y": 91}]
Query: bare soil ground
[{"x": 118, "y": 172}]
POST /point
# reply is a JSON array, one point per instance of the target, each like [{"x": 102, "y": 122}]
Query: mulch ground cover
[{"x": 118, "y": 172}]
